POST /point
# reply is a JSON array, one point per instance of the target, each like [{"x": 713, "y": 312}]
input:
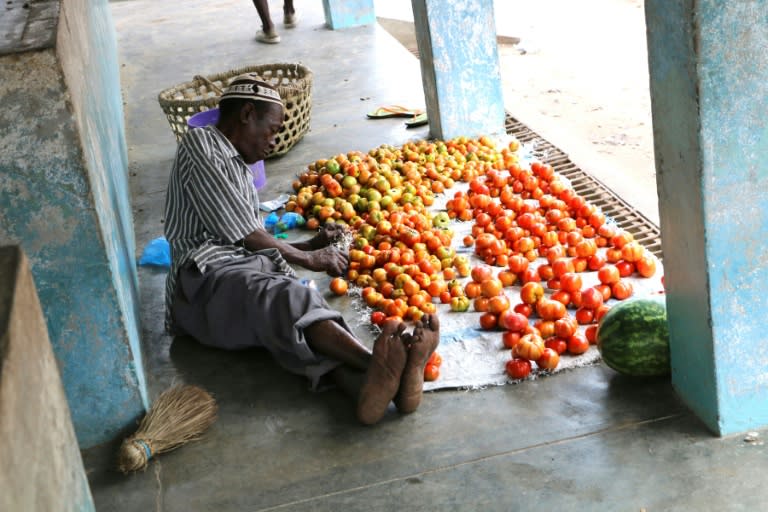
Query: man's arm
[{"x": 326, "y": 259}]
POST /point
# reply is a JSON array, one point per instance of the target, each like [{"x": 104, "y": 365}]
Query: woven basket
[{"x": 292, "y": 81}]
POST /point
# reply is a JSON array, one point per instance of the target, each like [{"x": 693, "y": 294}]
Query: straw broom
[{"x": 179, "y": 415}]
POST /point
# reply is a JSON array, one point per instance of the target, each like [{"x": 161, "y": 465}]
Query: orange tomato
[
  {"x": 531, "y": 292},
  {"x": 491, "y": 287},
  {"x": 498, "y": 304},
  {"x": 646, "y": 266},
  {"x": 431, "y": 372},
  {"x": 621, "y": 290},
  {"x": 339, "y": 286}
]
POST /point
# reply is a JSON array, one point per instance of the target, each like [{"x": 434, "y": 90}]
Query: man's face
[{"x": 260, "y": 131}]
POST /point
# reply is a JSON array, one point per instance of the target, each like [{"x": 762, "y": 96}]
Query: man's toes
[{"x": 431, "y": 322}]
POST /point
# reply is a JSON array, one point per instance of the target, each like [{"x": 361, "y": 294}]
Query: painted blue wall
[
  {"x": 461, "y": 75},
  {"x": 348, "y": 13},
  {"x": 709, "y": 94},
  {"x": 64, "y": 198}
]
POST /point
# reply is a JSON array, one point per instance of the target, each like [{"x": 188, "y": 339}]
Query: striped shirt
[{"x": 210, "y": 205}]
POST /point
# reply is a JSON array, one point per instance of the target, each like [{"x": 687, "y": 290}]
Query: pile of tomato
[
  {"x": 545, "y": 235},
  {"x": 527, "y": 222}
]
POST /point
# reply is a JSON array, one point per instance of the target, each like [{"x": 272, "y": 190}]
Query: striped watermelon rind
[{"x": 633, "y": 337}]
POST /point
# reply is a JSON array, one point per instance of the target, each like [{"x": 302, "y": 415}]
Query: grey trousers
[{"x": 250, "y": 302}]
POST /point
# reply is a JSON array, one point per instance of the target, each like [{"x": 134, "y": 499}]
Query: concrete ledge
[{"x": 40, "y": 468}]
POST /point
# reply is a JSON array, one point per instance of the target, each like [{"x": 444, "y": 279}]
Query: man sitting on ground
[{"x": 231, "y": 285}]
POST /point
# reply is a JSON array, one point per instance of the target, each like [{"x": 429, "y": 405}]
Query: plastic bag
[
  {"x": 289, "y": 220},
  {"x": 157, "y": 253}
]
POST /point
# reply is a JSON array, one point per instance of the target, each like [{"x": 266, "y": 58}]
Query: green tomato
[{"x": 459, "y": 304}]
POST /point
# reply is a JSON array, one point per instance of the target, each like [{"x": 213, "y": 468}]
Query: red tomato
[
  {"x": 576, "y": 300},
  {"x": 548, "y": 360},
  {"x": 518, "y": 368},
  {"x": 377, "y": 317},
  {"x": 480, "y": 273},
  {"x": 518, "y": 263},
  {"x": 530, "y": 275},
  {"x": 626, "y": 268},
  {"x": 601, "y": 311},
  {"x": 561, "y": 266},
  {"x": 578, "y": 344},
  {"x": 435, "y": 359},
  {"x": 585, "y": 316},
  {"x": 510, "y": 339},
  {"x": 609, "y": 274},
  {"x": 559, "y": 345},
  {"x": 523, "y": 309},
  {"x": 431, "y": 372},
  {"x": 596, "y": 262},
  {"x": 605, "y": 289},
  {"x": 562, "y": 296},
  {"x": 570, "y": 282},
  {"x": 591, "y": 298},
  {"x": 591, "y": 334},
  {"x": 513, "y": 321},
  {"x": 489, "y": 321}
]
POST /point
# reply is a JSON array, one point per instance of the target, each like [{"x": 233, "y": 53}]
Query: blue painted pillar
[
  {"x": 348, "y": 13},
  {"x": 709, "y": 95},
  {"x": 65, "y": 199},
  {"x": 459, "y": 67}
]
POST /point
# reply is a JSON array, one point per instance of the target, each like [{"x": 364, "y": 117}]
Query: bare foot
[
  {"x": 423, "y": 341},
  {"x": 382, "y": 379}
]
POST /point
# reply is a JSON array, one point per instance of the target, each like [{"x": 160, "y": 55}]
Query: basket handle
[{"x": 210, "y": 84}]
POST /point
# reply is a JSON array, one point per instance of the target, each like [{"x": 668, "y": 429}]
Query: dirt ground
[{"x": 579, "y": 77}]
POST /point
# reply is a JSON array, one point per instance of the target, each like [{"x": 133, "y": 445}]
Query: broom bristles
[{"x": 179, "y": 415}]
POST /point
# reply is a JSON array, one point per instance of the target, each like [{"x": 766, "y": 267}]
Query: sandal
[
  {"x": 267, "y": 37},
  {"x": 290, "y": 20},
  {"x": 419, "y": 120},
  {"x": 393, "y": 111}
]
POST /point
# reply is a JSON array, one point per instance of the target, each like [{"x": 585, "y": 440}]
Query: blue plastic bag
[
  {"x": 277, "y": 225},
  {"x": 157, "y": 253}
]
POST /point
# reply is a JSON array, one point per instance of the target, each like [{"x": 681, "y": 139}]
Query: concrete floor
[{"x": 586, "y": 439}]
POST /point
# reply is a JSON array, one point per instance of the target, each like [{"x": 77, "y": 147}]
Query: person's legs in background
[
  {"x": 268, "y": 34},
  {"x": 289, "y": 14}
]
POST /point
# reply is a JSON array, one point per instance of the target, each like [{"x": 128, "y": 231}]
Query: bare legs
[
  {"x": 268, "y": 33},
  {"x": 262, "y": 7},
  {"x": 394, "y": 370}
]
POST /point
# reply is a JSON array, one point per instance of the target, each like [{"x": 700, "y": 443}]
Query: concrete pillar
[
  {"x": 348, "y": 13},
  {"x": 459, "y": 67},
  {"x": 40, "y": 467},
  {"x": 64, "y": 198},
  {"x": 709, "y": 94}
]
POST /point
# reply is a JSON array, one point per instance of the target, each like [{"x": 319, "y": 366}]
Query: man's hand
[
  {"x": 328, "y": 259},
  {"x": 329, "y": 233}
]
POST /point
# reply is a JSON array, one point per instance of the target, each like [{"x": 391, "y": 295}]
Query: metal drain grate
[{"x": 644, "y": 231}]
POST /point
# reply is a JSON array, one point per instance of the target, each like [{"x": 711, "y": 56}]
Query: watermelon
[{"x": 633, "y": 337}]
